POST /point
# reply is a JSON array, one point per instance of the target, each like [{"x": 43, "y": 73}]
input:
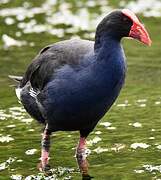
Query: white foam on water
[
  {"x": 4, "y": 1},
  {"x": 148, "y": 8},
  {"x": 27, "y": 120},
  {"x": 99, "y": 150},
  {"x": 7, "y": 163},
  {"x": 98, "y": 132},
  {"x": 9, "y": 21},
  {"x": 66, "y": 16},
  {"x": 91, "y": 3},
  {"x": 21, "y": 11},
  {"x": 117, "y": 147},
  {"x": 111, "y": 128},
  {"x": 122, "y": 105},
  {"x": 159, "y": 147},
  {"x": 17, "y": 108},
  {"x": 152, "y": 168},
  {"x": 157, "y": 103},
  {"x": 6, "y": 138},
  {"x": 57, "y": 32},
  {"x": 9, "y": 41},
  {"x": 30, "y": 151},
  {"x": 139, "y": 171},
  {"x": 18, "y": 34},
  {"x": 4, "y": 115},
  {"x": 11, "y": 126},
  {"x": 125, "y": 104},
  {"x": 106, "y": 124},
  {"x": 95, "y": 140},
  {"x": 136, "y": 124},
  {"x": 33, "y": 27},
  {"x": 141, "y": 100},
  {"x": 16, "y": 113},
  {"x": 139, "y": 145},
  {"x": 63, "y": 15},
  {"x": 142, "y": 105},
  {"x": 10, "y": 160},
  {"x": 2, "y": 166},
  {"x": 151, "y": 138},
  {"x": 16, "y": 177}
]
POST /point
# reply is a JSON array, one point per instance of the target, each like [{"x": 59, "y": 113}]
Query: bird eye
[{"x": 125, "y": 18}]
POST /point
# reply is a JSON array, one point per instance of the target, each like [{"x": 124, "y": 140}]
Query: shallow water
[{"x": 126, "y": 144}]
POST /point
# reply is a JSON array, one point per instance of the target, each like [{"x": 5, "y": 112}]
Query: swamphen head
[{"x": 123, "y": 23}]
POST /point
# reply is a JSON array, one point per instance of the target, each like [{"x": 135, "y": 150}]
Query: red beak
[{"x": 137, "y": 31}]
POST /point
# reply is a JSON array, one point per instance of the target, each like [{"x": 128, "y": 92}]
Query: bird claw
[
  {"x": 45, "y": 169},
  {"x": 86, "y": 177}
]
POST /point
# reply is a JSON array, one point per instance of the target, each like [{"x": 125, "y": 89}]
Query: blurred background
[{"x": 126, "y": 144}]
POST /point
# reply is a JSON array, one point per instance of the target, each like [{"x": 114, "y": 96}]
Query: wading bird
[{"x": 71, "y": 84}]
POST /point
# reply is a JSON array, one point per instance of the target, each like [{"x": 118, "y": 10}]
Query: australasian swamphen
[{"x": 71, "y": 84}]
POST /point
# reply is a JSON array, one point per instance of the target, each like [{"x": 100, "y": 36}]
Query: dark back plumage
[{"x": 53, "y": 57}]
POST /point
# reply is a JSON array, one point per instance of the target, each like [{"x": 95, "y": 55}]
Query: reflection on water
[{"x": 126, "y": 144}]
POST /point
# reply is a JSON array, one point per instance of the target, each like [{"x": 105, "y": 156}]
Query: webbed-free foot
[
  {"x": 87, "y": 177},
  {"x": 45, "y": 169}
]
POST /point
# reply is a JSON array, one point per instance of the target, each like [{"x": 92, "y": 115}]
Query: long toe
[
  {"x": 45, "y": 169},
  {"x": 39, "y": 167},
  {"x": 86, "y": 177}
]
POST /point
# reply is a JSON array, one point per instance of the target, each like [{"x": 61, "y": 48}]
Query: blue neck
[
  {"x": 105, "y": 40},
  {"x": 106, "y": 47},
  {"x": 110, "y": 60}
]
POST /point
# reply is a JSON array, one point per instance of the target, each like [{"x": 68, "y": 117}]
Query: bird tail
[
  {"x": 18, "y": 90},
  {"x": 15, "y": 78}
]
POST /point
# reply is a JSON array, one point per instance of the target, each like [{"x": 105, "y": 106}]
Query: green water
[{"x": 135, "y": 117}]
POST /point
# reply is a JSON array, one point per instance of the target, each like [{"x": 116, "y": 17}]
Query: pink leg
[
  {"x": 81, "y": 156},
  {"x": 45, "y": 143}
]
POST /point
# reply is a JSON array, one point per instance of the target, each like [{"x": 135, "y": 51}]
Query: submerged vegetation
[{"x": 126, "y": 144}]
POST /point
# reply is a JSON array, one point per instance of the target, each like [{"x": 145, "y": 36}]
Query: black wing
[{"x": 53, "y": 57}]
